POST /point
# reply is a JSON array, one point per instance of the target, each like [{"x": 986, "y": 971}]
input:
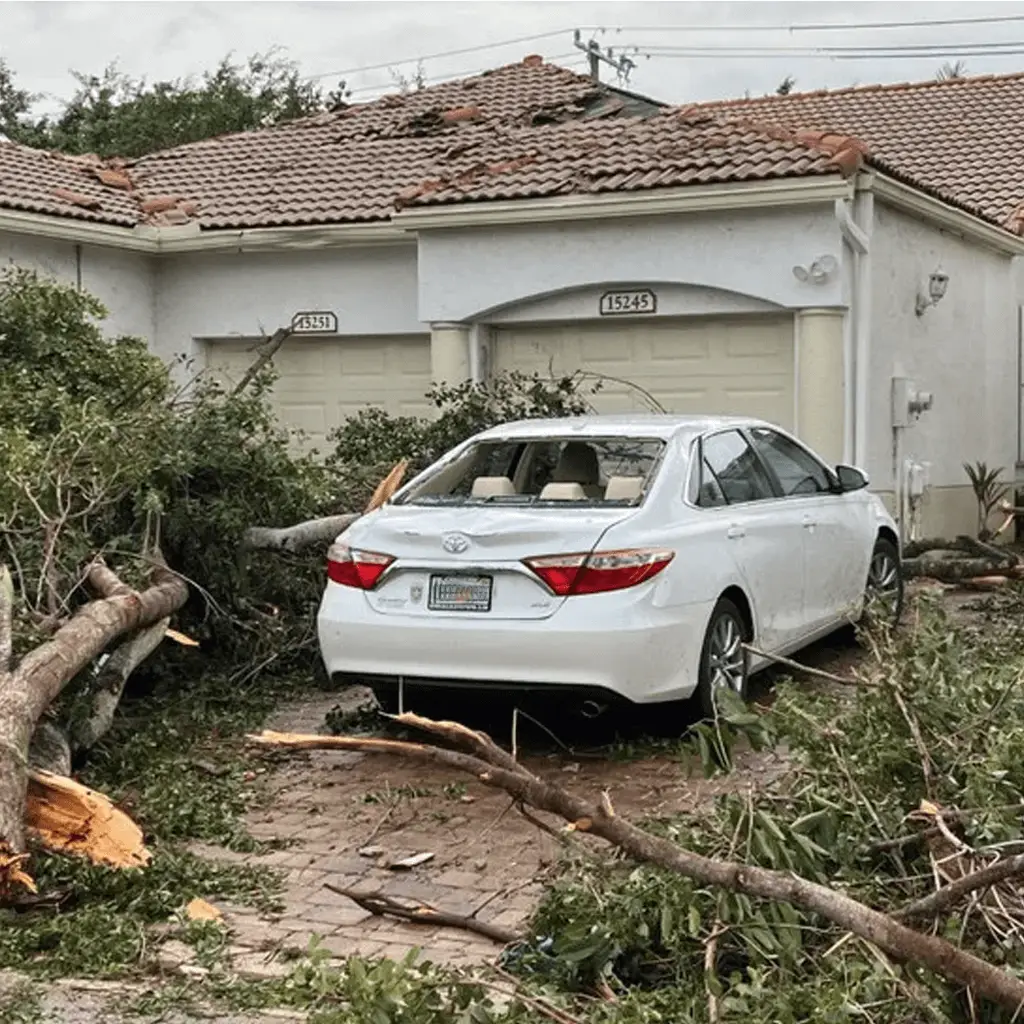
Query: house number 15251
[{"x": 629, "y": 303}]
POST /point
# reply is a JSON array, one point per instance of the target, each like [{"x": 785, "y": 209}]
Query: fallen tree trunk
[
  {"x": 495, "y": 767},
  {"x": 28, "y": 689},
  {"x": 977, "y": 559},
  {"x": 68, "y": 817},
  {"x": 111, "y": 680},
  {"x": 320, "y": 532},
  {"x": 311, "y": 533}
]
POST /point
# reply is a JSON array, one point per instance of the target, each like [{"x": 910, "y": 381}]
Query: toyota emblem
[{"x": 455, "y": 543}]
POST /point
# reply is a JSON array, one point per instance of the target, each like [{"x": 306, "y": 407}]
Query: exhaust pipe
[{"x": 591, "y": 709}]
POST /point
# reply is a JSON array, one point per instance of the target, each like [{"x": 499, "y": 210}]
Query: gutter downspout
[
  {"x": 475, "y": 342},
  {"x": 856, "y": 231}
]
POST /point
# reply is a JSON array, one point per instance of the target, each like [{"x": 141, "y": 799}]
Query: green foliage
[
  {"x": 369, "y": 443},
  {"x": 21, "y": 1004},
  {"x": 989, "y": 491},
  {"x": 860, "y": 768},
  {"x": 100, "y": 929},
  {"x": 99, "y": 455},
  {"x": 113, "y": 114}
]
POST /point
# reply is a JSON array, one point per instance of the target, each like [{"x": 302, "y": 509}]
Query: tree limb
[
  {"x": 266, "y": 351},
  {"x": 942, "y": 899},
  {"x": 311, "y": 533},
  {"x": 32, "y": 685},
  {"x": 111, "y": 680},
  {"x": 489, "y": 764},
  {"x": 422, "y": 913},
  {"x": 6, "y": 620}
]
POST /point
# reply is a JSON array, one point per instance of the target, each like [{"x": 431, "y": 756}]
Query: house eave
[
  {"x": 189, "y": 238},
  {"x": 942, "y": 215},
  {"x": 688, "y": 199}
]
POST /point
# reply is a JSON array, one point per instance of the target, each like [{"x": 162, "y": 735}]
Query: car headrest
[
  {"x": 563, "y": 492},
  {"x": 490, "y": 486},
  {"x": 624, "y": 488},
  {"x": 577, "y": 464}
]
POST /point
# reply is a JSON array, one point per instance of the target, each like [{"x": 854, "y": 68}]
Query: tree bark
[
  {"x": 110, "y": 682},
  {"x": 311, "y": 533},
  {"x": 266, "y": 351},
  {"x": 498, "y": 769},
  {"x": 953, "y": 570},
  {"x": 28, "y": 689}
]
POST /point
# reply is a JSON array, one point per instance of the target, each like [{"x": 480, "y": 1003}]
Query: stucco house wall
[
  {"x": 123, "y": 281},
  {"x": 223, "y": 295},
  {"x": 477, "y": 273},
  {"x": 963, "y": 350}
]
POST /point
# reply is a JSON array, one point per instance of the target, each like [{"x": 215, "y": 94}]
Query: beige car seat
[
  {"x": 492, "y": 486},
  {"x": 578, "y": 464}
]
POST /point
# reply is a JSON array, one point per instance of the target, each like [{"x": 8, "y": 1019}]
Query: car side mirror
[{"x": 851, "y": 479}]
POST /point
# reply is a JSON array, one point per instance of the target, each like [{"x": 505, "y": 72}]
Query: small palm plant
[{"x": 989, "y": 491}]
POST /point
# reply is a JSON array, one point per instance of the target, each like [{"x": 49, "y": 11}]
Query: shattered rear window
[{"x": 605, "y": 471}]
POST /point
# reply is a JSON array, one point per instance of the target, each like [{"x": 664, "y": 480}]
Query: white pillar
[
  {"x": 820, "y": 383},
  {"x": 449, "y": 353}
]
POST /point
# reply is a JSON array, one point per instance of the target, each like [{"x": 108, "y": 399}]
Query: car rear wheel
[
  {"x": 723, "y": 660},
  {"x": 883, "y": 594}
]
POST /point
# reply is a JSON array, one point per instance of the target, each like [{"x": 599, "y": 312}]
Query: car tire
[
  {"x": 723, "y": 660},
  {"x": 884, "y": 583}
]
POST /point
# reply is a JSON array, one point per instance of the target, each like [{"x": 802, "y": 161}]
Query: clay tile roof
[
  {"x": 956, "y": 139},
  {"x": 531, "y": 130},
  {"x": 36, "y": 181}
]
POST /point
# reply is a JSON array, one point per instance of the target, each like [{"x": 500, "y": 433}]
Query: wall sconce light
[
  {"x": 937, "y": 284},
  {"x": 818, "y": 272}
]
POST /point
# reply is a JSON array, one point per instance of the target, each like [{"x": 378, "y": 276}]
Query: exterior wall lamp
[
  {"x": 818, "y": 272},
  {"x": 937, "y": 284}
]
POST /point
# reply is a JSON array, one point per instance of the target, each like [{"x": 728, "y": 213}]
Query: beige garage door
[
  {"x": 714, "y": 365},
  {"x": 321, "y": 381}
]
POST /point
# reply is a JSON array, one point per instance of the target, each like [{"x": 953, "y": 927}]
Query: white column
[
  {"x": 820, "y": 383},
  {"x": 449, "y": 353}
]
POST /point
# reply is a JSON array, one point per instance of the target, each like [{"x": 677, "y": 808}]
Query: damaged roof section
[
  {"x": 667, "y": 150},
  {"x": 345, "y": 166},
  {"x": 957, "y": 139},
  {"x": 533, "y": 130}
]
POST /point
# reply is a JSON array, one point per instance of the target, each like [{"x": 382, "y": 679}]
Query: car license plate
[{"x": 460, "y": 594}]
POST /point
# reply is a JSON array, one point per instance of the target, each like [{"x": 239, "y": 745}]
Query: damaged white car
[{"x": 606, "y": 559}]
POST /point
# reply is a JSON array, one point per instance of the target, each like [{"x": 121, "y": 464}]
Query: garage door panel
[
  {"x": 708, "y": 366},
  {"x": 322, "y": 381}
]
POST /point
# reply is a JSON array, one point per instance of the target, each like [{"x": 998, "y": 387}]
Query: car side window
[
  {"x": 798, "y": 472},
  {"x": 731, "y": 473}
]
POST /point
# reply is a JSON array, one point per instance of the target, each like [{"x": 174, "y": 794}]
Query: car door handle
[{"x": 735, "y": 532}]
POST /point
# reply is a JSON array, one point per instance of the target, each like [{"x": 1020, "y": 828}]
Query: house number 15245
[{"x": 629, "y": 303}]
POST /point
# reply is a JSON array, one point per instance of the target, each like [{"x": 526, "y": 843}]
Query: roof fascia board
[
  {"x": 159, "y": 241},
  {"x": 688, "y": 199},
  {"x": 67, "y": 229},
  {"x": 942, "y": 215}
]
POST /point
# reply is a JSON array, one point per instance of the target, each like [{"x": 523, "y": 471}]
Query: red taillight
[
  {"x": 599, "y": 572},
  {"x": 360, "y": 569}
]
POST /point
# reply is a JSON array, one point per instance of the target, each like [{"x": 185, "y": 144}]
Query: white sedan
[{"x": 606, "y": 558}]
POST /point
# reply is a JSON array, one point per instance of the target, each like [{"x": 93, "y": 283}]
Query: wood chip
[
  {"x": 410, "y": 862},
  {"x": 370, "y": 851}
]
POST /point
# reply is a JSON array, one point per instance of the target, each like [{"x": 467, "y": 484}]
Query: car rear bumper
[{"x": 619, "y": 645}]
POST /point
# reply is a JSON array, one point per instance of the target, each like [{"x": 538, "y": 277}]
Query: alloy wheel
[{"x": 726, "y": 658}]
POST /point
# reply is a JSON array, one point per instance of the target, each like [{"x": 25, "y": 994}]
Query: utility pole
[{"x": 622, "y": 64}]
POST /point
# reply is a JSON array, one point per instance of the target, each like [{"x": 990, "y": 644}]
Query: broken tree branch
[
  {"x": 320, "y": 532},
  {"x": 944, "y": 898},
  {"x": 311, "y": 533},
  {"x": 491, "y": 765},
  {"x": 27, "y": 690},
  {"x": 111, "y": 680},
  {"x": 380, "y": 905},
  {"x": 265, "y": 351}
]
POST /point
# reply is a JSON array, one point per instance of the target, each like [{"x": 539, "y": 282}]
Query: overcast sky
[{"x": 43, "y": 41}]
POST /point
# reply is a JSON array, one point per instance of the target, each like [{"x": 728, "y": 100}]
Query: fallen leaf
[
  {"x": 200, "y": 910},
  {"x": 181, "y": 638}
]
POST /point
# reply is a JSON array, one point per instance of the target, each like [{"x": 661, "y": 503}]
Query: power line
[
  {"x": 444, "y": 53},
  {"x": 826, "y": 26},
  {"x": 454, "y": 75},
  {"x": 1007, "y": 50}
]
